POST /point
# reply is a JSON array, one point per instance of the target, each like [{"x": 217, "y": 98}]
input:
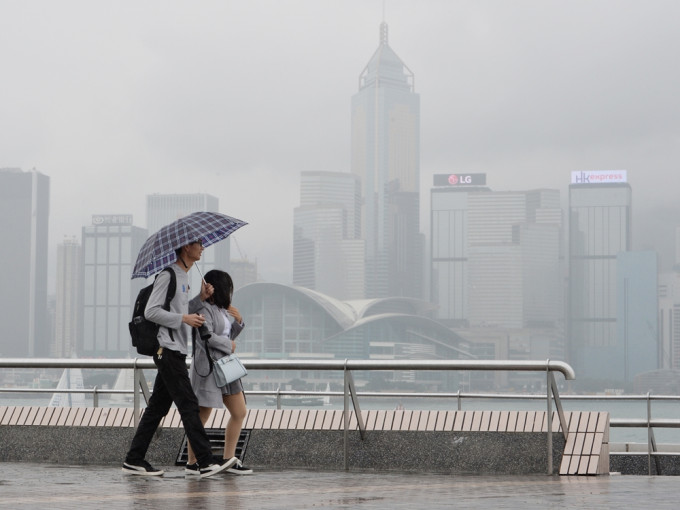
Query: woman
[{"x": 217, "y": 310}]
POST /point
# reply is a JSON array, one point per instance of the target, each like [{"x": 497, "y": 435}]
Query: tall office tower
[
  {"x": 599, "y": 229},
  {"x": 110, "y": 248},
  {"x": 328, "y": 254},
  {"x": 386, "y": 156},
  {"x": 24, "y": 214},
  {"x": 495, "y": 255},
  {"x": 637, "y": 348},
  {"x": 449, "y": 246},
  {"x": 669, "y": 313},
  {"x": 67, "y": 305},
  {"x": 164, "y": 209}
]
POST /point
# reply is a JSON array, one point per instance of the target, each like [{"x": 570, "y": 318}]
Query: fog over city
[{"x": 118, "y": 100}]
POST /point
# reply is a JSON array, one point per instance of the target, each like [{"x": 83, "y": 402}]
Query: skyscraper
[
  {"x": 386, "y": 156},
  {"x": 328, "y": 254},
  {"x": 110, "y": 248},
  {"x": 24, "y": 214},
  {"x": 599, "y": 229},
  {"x": 450, "y": 261},
  {"x": 164, "y": 209},
  {"x": 67, "y": 301},
  {"x": 637, "y": 350},
  {"x": 495, "y": 255}
]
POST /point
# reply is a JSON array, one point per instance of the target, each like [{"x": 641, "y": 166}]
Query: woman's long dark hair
[{"x": 224, "y": 287}]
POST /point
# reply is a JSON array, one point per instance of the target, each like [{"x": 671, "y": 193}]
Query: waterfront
[{"x": 35, "y": 486}]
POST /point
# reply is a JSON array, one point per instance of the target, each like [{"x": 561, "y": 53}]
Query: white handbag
[{"x": 228, "y": 369}]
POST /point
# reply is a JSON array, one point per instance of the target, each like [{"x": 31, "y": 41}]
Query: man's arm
[{"x": 154, "y": 311}]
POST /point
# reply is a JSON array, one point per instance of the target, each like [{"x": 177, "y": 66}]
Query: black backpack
[{"x": 144, "y": 333}]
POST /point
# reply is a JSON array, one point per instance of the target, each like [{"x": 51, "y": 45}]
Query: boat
[{"x": 298, "y": 401}]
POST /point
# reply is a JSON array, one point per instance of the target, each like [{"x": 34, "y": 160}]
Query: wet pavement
[{"x": 55, "y": 486}]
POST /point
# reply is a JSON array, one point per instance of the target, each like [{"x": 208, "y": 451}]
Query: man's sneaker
[
  {"x": 141, "y": 468},
  {"x": 192, "y": 469},
  {"x": 217, "y": 467},
  {"x": 239, "y": 469}
]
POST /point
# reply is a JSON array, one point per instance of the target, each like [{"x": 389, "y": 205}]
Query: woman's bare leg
[
  {"x": 204, "y": 413},
  {"x": 236, "y": 405}
]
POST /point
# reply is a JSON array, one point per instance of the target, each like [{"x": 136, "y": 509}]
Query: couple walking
[{"x": 194, "y": 395}]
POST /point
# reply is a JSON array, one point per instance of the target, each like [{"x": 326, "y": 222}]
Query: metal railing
[{"x": 346, "y": 366}]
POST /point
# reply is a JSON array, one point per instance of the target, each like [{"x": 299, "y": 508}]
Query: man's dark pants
[{"x": 172, "y": 385}]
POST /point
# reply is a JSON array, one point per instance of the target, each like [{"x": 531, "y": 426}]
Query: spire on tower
[{"x": 383, "y": 33}]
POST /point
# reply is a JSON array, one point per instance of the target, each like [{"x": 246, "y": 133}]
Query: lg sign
[{"x": 459, "y": 179}]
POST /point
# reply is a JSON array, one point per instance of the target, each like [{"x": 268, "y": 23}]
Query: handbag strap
[{"x": 211, "y": 361}]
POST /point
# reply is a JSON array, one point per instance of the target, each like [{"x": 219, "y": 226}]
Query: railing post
[
  {"x": 95, "y": 397},
  {"x": 548, "y": 387},
  {"x": 649, "y": 437},
  {"x": 460, "y": 406},
  {"x": 135, "y": 393},
  {"x": 651, "y": 440},
  {"x": 345, "y": 416}
]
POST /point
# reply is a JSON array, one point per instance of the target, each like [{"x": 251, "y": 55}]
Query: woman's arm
[
  {"x": 238, "y": 325},
  {"x": 217, "y": 342}
]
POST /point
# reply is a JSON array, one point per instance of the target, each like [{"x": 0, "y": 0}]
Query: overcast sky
[{"x": 115, "y": 100}]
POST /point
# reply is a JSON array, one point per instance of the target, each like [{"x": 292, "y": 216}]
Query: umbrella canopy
[{"x": 158, "y": 250}]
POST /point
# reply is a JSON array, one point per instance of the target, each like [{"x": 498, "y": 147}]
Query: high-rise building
[
  {"x": 599, "y": 229},
  {"x": 164, "y": 209},
  {"x": 495, "y": 254},
  {"x": 328, "y": 254},
  {"x": 386, "y": 157},
  {"x": 637, "y": 348},
  {"x": 669, "y": 313},
  {"x": 24, "y": 214},
  {"x": 449, "y": 245},
  {"x": 67, "y": 301},
  {"x": 110, "y": 248}
]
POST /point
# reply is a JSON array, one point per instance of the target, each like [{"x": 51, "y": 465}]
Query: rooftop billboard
[
  {"x": 598, "y": 176},
  {"x": 459, "y": 179}
]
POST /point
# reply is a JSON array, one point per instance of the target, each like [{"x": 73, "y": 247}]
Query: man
[{"x": 172, "y": 382}]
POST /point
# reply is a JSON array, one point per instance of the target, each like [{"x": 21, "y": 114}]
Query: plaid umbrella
[{"x": 158, "y": 250}]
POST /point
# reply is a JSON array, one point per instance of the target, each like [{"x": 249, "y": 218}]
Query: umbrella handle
[{"x": 199, "y": 272}]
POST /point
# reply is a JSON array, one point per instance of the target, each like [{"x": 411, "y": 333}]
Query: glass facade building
[
  {"x": 385, "y": 149},
  {"x": 67, "y": 301},
  {"x": 294, "y": 322},
  {"x": 328, "y": 254},
  {"x": 24, "y": 221},
  {"x": 638, "y": 348},
  {"x": 110, "y": 248},
  {"x": 496, "y": 257},
  {"x": 599, "y": 229}
]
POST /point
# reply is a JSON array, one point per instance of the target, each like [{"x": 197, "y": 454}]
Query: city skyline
[{"x": 236, "y": 98}]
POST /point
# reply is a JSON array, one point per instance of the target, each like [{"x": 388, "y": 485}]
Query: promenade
[{"x": 56, "y": 486}]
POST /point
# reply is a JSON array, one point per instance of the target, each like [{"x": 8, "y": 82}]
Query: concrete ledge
[
  {"x": 440, "y": 452},
  {"x": 489, "y": 442},
  {"x": 638, "y": 464},
  {"x": 83, "y": 445}
]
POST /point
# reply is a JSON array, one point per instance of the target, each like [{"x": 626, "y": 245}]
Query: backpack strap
[{"x": 172, "y": 289}]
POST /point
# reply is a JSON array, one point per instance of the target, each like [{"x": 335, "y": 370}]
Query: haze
[{"x": 118, "y": 100}]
